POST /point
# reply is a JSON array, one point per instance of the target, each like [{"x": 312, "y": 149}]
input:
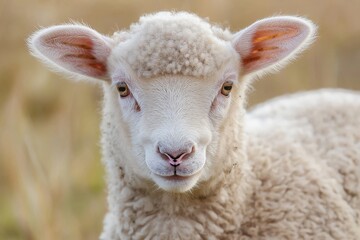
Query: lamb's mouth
[
  {"x": 176, "y": 174},
  {"x": 176, "y": 183},
  {"x": 176, "y": 177}
]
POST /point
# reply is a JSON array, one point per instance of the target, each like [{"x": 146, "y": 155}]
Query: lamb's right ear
[{"x": 74, "y": 49}]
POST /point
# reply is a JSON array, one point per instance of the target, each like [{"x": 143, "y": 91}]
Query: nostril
[{"x": 162, "y": 154}]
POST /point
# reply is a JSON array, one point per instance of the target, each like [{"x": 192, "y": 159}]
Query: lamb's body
[
  {"x": 305, "y": 150},
  {"x": 184, "y": 160},
  {"x": 304, "y": 155}
]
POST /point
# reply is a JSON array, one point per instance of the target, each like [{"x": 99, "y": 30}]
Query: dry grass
[{"x": 51, "y": 178}]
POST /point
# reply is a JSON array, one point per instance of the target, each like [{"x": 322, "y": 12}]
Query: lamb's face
[
  {"x": 175, "y": 75},
  {"x": 173, "y": 120}
]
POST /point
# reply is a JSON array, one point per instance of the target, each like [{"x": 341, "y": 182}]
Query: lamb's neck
[{"x": 180, "y": 215}]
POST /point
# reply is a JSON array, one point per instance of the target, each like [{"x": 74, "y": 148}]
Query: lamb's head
[{"x": 174, "y": 79}]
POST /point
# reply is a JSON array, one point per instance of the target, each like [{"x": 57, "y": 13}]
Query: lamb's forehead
[{"x": 173, "y": 43}]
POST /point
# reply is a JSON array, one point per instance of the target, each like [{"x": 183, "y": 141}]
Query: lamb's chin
[{"x": 176, "y": 184}]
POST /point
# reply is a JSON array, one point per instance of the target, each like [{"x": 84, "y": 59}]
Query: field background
[{"x": 51, "y": 178}]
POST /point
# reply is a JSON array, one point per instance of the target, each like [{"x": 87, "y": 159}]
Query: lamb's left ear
[
  {"x": 74, "y": 49},
  {"x": 270, "y": 43}
]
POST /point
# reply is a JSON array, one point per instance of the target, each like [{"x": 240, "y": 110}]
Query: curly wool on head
[{"x": 173, "y": 43}]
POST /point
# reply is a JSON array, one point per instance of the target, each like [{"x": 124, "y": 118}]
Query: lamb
[{"x": 183, "y": 158}]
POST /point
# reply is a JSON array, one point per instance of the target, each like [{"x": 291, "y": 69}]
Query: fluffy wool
[
  {"x": 168, "y": 43},
  {"x": 288, "y": 169},
  {"x": 305, "y": 151}
]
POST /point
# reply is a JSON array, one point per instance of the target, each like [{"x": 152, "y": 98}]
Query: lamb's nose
[{"x": 176, "y": 156}]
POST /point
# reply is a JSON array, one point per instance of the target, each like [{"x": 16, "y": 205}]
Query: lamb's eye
[
  {"x": 123, "y": 89},
  {"x": 226, "y": 88}
]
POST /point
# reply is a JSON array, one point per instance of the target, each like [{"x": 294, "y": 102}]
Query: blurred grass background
[{"x": 51, "y": 178}]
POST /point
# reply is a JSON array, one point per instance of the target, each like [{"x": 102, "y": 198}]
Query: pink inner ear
[
  {"x": 76, "y": 53},
  {"x": 270, "y": 44}
]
